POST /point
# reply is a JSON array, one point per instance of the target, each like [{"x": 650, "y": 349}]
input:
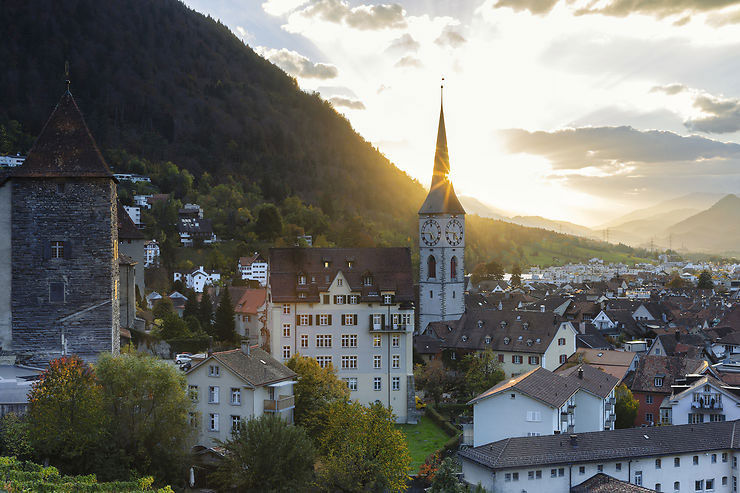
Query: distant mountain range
[{"x": 697, "y": 222}]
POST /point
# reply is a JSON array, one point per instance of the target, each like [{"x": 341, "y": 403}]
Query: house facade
[
  {"x": 231, "y": 387},
  {"x": 700, "y": 400},
  {"x": 151, "y": 253},
  {"x": 198, "y": 279},
  {"x": 352, "y": 308},
  {"x": 694, "y": 458},
  {"x": 253, "y": 268}
]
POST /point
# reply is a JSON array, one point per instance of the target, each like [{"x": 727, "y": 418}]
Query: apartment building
[{"x": 352, "y": 308}]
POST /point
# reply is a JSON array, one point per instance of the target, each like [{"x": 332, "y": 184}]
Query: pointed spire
[
  {"x": 64, "y": 147},
  {"x": 441, "y": 198}
]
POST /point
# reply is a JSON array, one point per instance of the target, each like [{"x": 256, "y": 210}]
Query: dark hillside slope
[{"x": 166, "y": 83}]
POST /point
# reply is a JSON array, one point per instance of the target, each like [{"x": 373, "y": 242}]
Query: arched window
[
  {"x": 431, "y": 267},
  {"x": 453, "y": 268}
]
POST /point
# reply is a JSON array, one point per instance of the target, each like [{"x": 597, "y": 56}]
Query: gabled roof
[
  {"x": 389, "y": 268},
  {"x": 257, "y": 369},
  {"x": 669, "y": 367},
  {"x": 615, "y": 363},
  {"x": 605, "y": 445},
  {"x": 602, "y": 483},
  {"x": 250, "y": 300},
  {"x": 65, "y": 148},
  {"x": 594, "y": 380},
  {"x": 539, "y": 384},
  {"x": 705, "y": 380}
]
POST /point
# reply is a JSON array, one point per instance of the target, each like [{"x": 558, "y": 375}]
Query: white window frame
[
  {"x": 214, "y": 371},
  {"x": 349, "y": 362},
  {"x": 396, "y": 341},
  {"x": 235, "y": 422},
  {"x": 323, "y": 340},
  {"x": 286, "y": 309},
  {"x": 377, "y": 361},
  {"x": 377, "y": 340},
  {"x": 323, "y": 320},
  {"x": 304, "y": 340},
  {"x": 351, "y": 383},
  {"x": 323, "y": 361},
  {"x": 236, "y": 396},
  {"x": 286, "y": 330},
  {"x": 213, "y": 422},
  {"x": 377, "y": 383},
  {"x": 396, "y": 361},
  {"x": 395, "y": 383},
  {"x": 213, "y": 397},
  {"x": 286, "y": 352},
  {"x": 349, "y": 340}
]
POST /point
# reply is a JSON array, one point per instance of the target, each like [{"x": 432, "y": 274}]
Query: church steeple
[{"x": 441, "y": 198}]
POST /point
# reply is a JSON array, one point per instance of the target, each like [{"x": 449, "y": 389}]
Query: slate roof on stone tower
[
  {"x": 65, "y": 148},
  {"x": 441, "y": 198}
]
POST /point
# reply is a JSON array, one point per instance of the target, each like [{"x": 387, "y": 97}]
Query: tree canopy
[{"x": 625, "y": 408}]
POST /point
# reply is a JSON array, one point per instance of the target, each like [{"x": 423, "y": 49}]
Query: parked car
[{"x": 183, "y": 358}]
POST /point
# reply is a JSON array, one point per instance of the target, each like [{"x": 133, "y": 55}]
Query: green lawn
[{"x": 422, "y": 439}]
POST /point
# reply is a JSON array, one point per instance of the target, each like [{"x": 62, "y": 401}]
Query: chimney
[
  {"x": 580, "y": 373},
  {"x": 574, "y": 440},
  {"x": 245, "y": 346},
  {"x": 582, "y": 327},
  {"x": 678, "y": 335},
  {"x": 542, "y": 308}
]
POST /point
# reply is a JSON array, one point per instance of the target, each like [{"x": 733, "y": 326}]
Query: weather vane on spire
[{"x": 442, "y": 88}]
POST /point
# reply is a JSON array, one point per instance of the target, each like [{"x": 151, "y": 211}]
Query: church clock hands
[
  {"x": 454, "y": 232},
  {"x": 430, "y": 232}
]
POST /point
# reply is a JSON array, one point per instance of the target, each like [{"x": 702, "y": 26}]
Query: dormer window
[
  {"x": 387, "y": 299},
  {"x": 488, "y": 339},
  {"x": 464, "y": 338},
  {"x": 367, "y": 280},
  {"x": 326, "y": 264},
  {"x": 350, "y": 263},
  {"x": 525, "y": 325},
  {"x": 480, "y": 323},
  {"x": 519, "y": 338},
  {"x": 503, "y": 324},
  {"x": 658, "y": 381},
  {"x": 301, "y": 279},
  {"x": 506, "y": 340}
]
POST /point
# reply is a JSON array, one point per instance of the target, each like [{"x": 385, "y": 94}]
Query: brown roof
[
  {"x": 669, "y": 367},
  {"x": 390, "y": 269},
  {"x": 508, "y": 330},
  {"x": 540, "y": 384},
  {"x": 615, "y": 363},
  {"x": 64, "y": 148},
  {"x": 601, "y": 483},
  {"x": 127, "y": 230},
  {"x": 257, "y": 369},
  {"x": 250, "y": 300}
]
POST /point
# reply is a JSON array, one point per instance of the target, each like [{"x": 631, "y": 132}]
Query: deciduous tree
[
  {"x": 362, "y": 450},
  {"x": 266, "y": 454},
  {"x": 625, "y": 408},
  {"x": 433, "y": 379},
  {"x": 705, "y": 280},
  {"x": 316, "y": 390},
  {"x": 482, "y": 371}
]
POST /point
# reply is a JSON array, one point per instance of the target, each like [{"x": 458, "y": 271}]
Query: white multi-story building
[
  {"x": 542, "y": 403},
  {"x": 441, "y": 243},
  {"x": 11, "y": 161},
  {"x": 700, "y": 399},
  {"x": 352, "y": 308},
  {"x": 253, "y": 268},
  {"x": 142, "y": 201},
  {"x": 198, "y": 279},
  {"x": 151, "y": 253},
  {"x": 132, "y": 177},
  {"x": 134, "y": 213},
  {"x": 230, "y": 387},
  {"x": 695, "y": 458}
]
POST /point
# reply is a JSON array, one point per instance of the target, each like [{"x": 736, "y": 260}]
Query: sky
[{"x": 575, "y": 110}]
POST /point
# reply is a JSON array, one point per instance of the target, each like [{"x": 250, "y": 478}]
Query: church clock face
[
  {"x": 454, "y": 232},
  {"x": 430, "y": 232}
]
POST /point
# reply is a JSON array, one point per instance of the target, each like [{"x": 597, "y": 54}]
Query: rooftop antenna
[{"x": 66, "y": 74}]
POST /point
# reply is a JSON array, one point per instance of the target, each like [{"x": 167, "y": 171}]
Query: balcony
[
  {"x": 281, "y": 403},
  {"x": 707, "y": 405},
  {"x": 388, "y": 327},
  {"x": 612, "y": 400}
]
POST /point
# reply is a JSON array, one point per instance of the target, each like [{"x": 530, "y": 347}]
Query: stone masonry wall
[{"x": 81, "y": 213}]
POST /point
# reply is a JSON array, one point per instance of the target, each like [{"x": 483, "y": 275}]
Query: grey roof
[
  {"x": 605, "y": 445},
  {"x": 594, "y": 380},
  {"x": 539, "y": 384},
  {"x": 257, "y": 369}
]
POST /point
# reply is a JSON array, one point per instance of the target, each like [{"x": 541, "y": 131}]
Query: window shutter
[
  {"x": 46, "y": 249},
  {"x": 297, "y": 320},
  {"x": 343, "y": 320},
  {"x": 310, "y": 320},
  {"x": 329, "y": 319},
  {"x": 68, "y": 249},
  {"x": 382, "y": 321},
  {"x": 371, "y": 320}
]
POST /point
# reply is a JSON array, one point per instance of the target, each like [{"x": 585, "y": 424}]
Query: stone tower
[
  {"x": 63, "y": 245},
  {"x": 441, "y": 243}
]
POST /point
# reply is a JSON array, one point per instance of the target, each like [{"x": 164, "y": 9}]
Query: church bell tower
[{"x": 441, "y": 243}]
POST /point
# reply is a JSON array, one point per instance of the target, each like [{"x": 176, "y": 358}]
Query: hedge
[{"x": 446, "y": 426}]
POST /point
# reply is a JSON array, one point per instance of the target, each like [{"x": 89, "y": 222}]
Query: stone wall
[
  {"x": 81, "y": 213},
  {"x": 5, "y": 262}
]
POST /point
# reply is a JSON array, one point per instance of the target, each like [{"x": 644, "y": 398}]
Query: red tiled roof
[{"x": 250, "y": 300}]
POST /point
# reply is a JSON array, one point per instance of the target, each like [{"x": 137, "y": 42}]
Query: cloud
[
  {"x": 281, "y": 7},
  {"x": 404, "y": 44},
  {"x": 364, "y": 17},
  {"x": 610, "y": 149},
  {"x": 244, "y": 34},
  {"x": 723, "y": 115},
  {"x": 450, "y": 37},
  {"x": 336, "y": 91},
  {"x": 298, "y": 65},
  {"x": 623, "y": 8},
  {"x": 670, "y": 89},
  {"x": 409, "y": 61},
  {"x": 655, "y": 8},
  {"x": 724, "y": 18},
  {"x": 347, "y": 103}
]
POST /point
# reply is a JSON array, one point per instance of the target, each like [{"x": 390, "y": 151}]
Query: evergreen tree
[
  {"x": 191, "y": 306},
  {"x": 223, "y": 326},
  {"x": 516, "y": 275},
  {"x": 705, "y": 280},
  {"x": 205, "y": 312},
  {"x": 163, "y": 307}
]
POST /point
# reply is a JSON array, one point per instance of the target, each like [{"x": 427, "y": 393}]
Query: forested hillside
[{"x": 169, "y": 92}]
